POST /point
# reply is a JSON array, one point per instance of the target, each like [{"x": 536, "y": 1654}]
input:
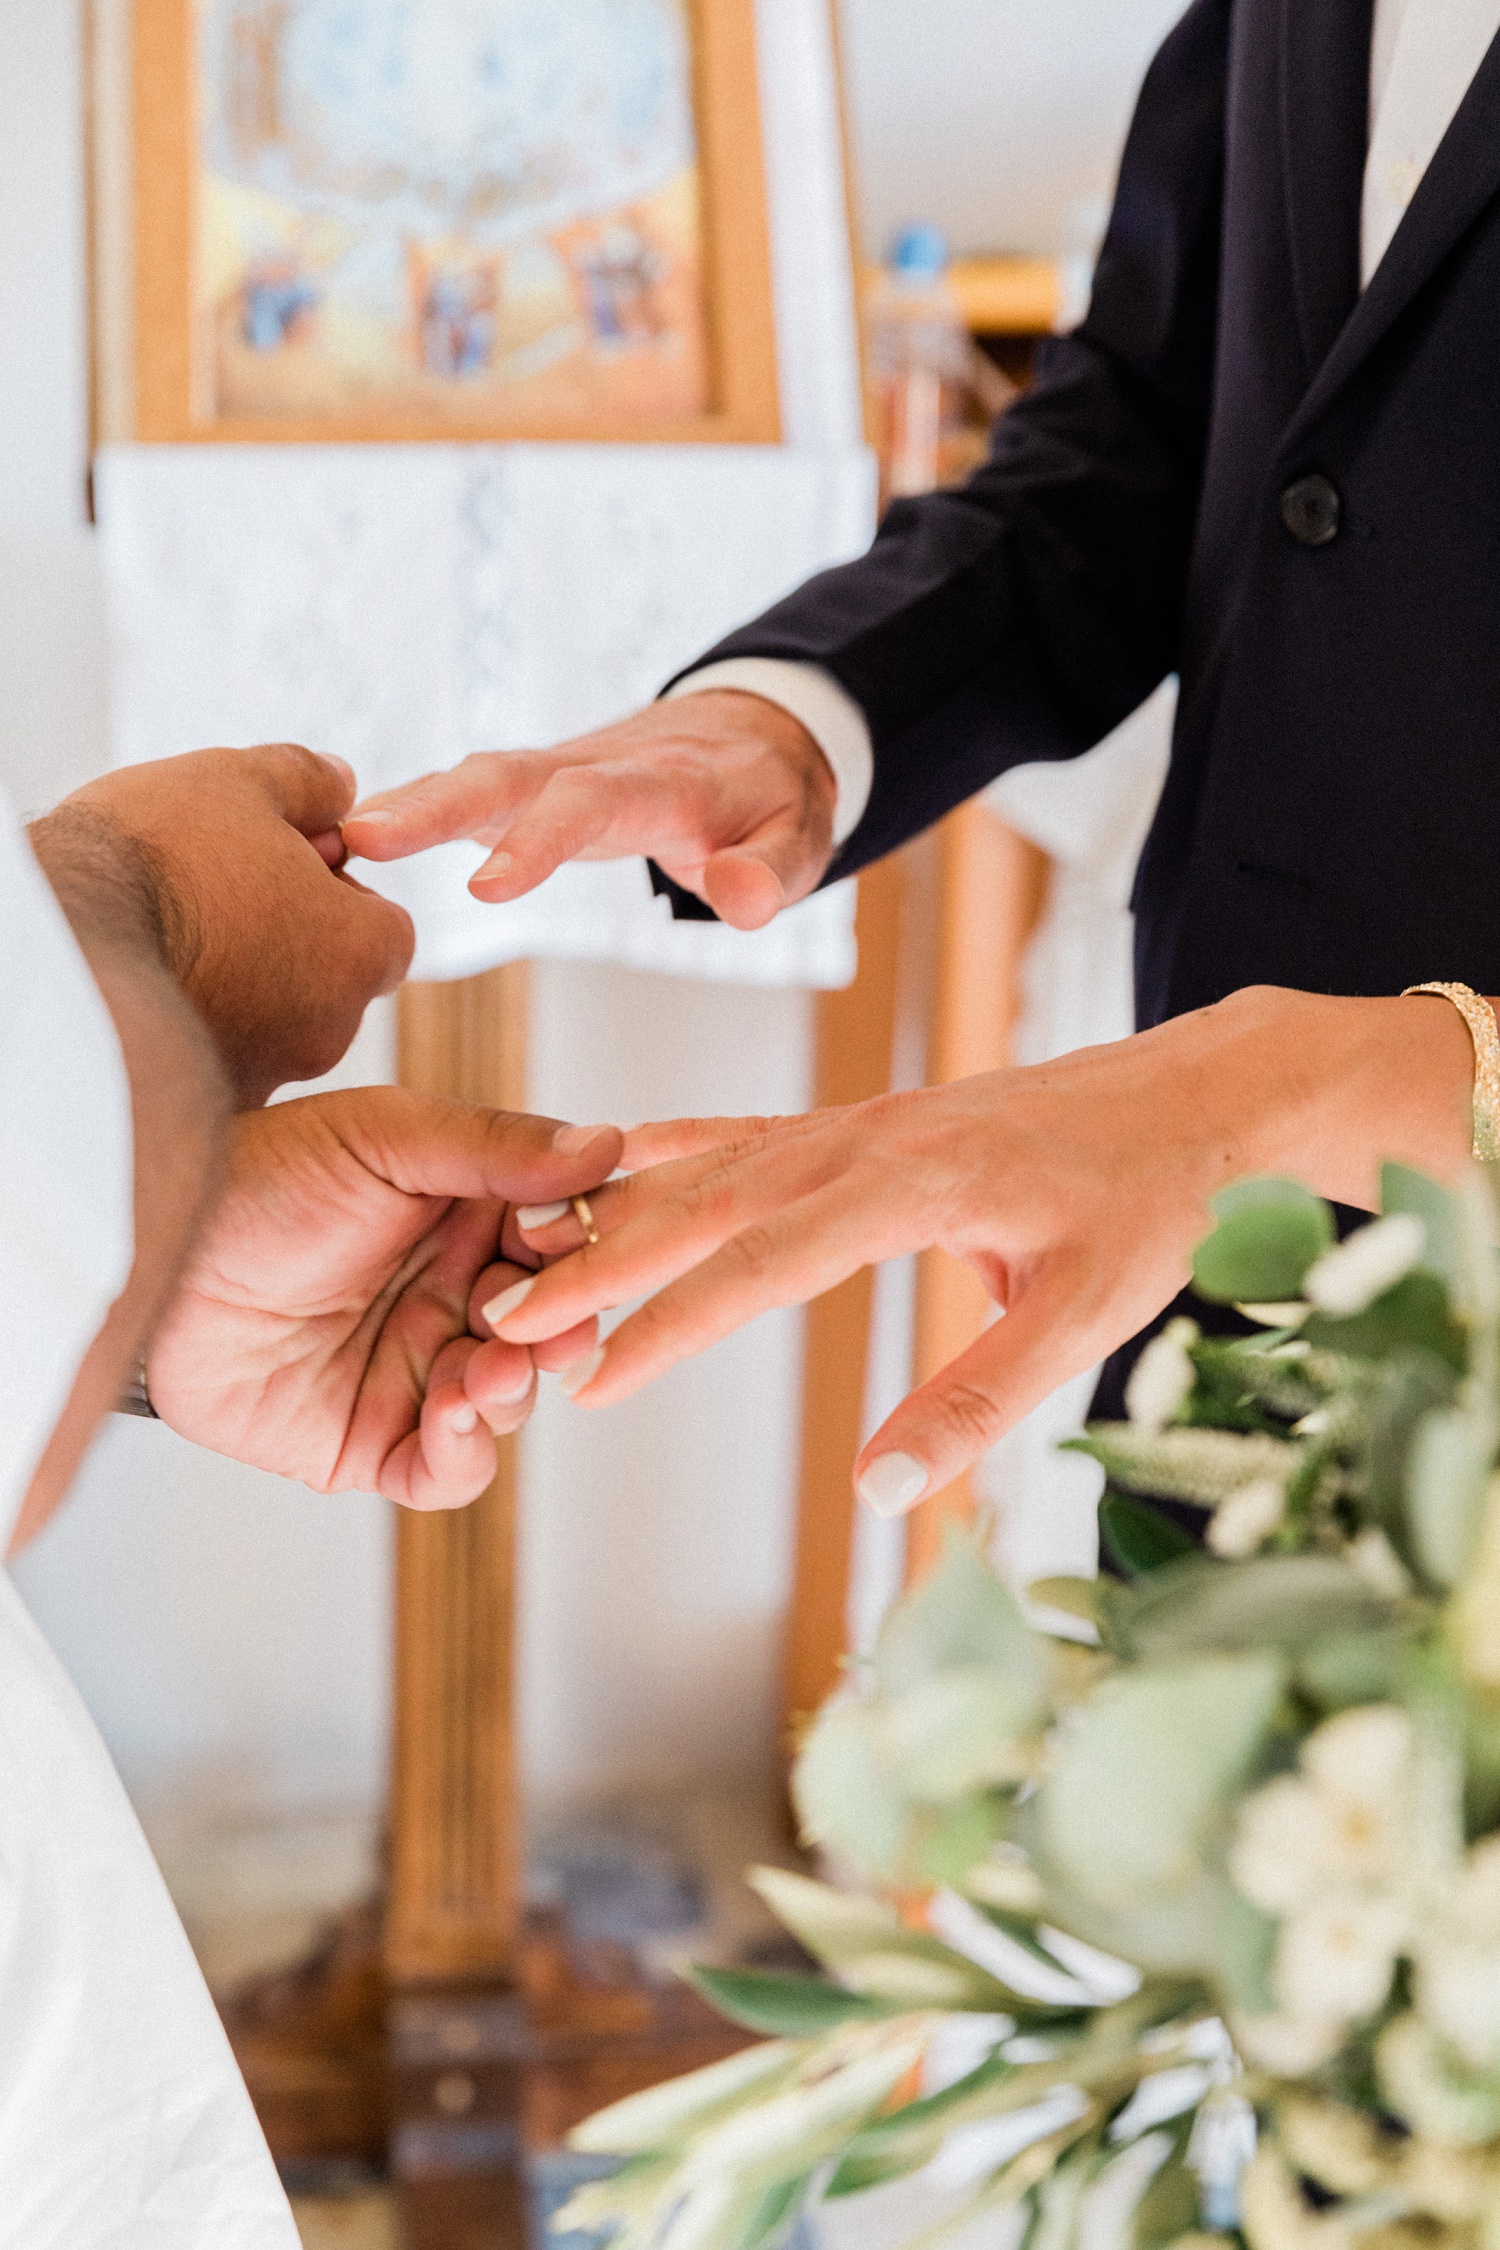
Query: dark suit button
[{"x": 1312, "y": 510}]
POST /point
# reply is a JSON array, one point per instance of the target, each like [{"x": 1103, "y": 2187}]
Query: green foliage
[
  {"x": 1269, "y": 1233},
  {"x": 1413, "y": 1317},
  {"x": 782, "y": 2007},
  {"x": 1139, "y": 1539},
  {"x": 1289, "y": 1602},
  {"x": 1096, "y": 1809}
]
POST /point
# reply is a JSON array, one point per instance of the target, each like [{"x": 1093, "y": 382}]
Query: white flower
[
  {"x": 1287, "y": 2046},
  {"x": 1363, "y": 1757},
  {"x": 1335, "y": 1960},
  {"x": 1351, "y": 1276},
  {"x": 1247, "y": 1519},
  {"x": 1339, "y": 1826},
  {"x": 1458, "y": 1960},
  {"x": 1162, "y": 1379},
  {"x": 1279, "y": 1846}
]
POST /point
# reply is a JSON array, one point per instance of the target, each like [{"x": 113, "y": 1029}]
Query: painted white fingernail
[
  {"x": 568, "y": 1139},
  {"x": 463, "y": 1421},
  {"x": 581, "y": 1373},
  {"x": 518, "y": 1389},
  {"x": 532, "y": 1217},
  {"x": 892, "y": 1484},
  {"x": 372, "y": 817},
  {"x": 507, "y": 1301}
]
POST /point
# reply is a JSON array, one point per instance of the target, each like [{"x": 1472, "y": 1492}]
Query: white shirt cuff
[{"x": 829, "y": 713}]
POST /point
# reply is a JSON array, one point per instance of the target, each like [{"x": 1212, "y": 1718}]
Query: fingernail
[
  {"x": 373, "y": 818},
  {"x": 569, "y": 1139},
  {"x": 892, "y": 1484},
  {"x": 507, "y": 1301},
  {"x": 532, "y": 1217},
  {"x": 495, "y": 868},
  {"x": 519, "y": 1388},
  {"x": 581, "y": 1373},
  {"x": 463, "y": 1421}
]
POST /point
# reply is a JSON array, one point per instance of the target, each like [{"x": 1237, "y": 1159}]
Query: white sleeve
[
  {"x": 66, "y": 1188},
  {"x": 828, "y": 711}
]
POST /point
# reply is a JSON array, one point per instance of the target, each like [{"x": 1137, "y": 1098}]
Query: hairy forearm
[{"x": 179, "y": 1108}]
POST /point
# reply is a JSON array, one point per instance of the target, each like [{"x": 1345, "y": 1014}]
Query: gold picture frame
[{"x": 176, "y": 363}]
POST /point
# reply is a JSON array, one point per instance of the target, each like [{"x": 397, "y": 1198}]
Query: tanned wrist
[{"x": 1336, "y": 1087}]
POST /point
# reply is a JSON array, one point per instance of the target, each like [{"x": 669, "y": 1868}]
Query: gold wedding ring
[{"x": 585, "y": 1217}]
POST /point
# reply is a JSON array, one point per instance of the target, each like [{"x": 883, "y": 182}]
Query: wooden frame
[{"x": 147, "y": 387}]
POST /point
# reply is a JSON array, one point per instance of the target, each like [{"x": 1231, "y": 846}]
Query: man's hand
[
  {"x": 1077, "y": 1190},
  {"x": 236, "y": 857},
  {"x": 322, "y": 1327},
  {"x": 727, "y": 792}
]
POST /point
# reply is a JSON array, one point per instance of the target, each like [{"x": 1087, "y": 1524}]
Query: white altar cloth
[{"x": 402, "y": 605}]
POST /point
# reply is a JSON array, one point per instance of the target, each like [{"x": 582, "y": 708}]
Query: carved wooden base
[{"x": 462, "y": 2093}]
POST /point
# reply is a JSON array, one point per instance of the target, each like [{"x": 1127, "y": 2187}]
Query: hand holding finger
[{"x": 450, "y": 1458}]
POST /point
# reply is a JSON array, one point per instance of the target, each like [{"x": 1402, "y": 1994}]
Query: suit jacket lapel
[
  {"x": 1462, "y": 178},
  {"x": 1325, "y": 105}
]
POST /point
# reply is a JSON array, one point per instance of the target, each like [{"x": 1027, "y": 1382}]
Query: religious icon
[{"x": 448, "y": 218}]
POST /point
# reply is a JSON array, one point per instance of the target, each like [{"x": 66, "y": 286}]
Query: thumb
[
  {"x": 944, "y": 1427},
  {"x": 748, "y": 884}
]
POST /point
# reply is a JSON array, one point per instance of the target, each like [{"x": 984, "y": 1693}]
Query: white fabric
[
  {"x": 405, "y": 605},
  {"x": 123, "y": 2120},
  {"x": 66, "y": 1230},
  {"x": 1422, "y": 59},
  {"x": 827, "y": 710}
]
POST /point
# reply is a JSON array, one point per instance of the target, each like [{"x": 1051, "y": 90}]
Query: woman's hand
[
  {"x": 1077, "y": 1189},
  {"x": 322, "y": 1328}
]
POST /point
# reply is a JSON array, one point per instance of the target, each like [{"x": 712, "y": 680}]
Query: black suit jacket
[{"x": 1329, "y": 819}]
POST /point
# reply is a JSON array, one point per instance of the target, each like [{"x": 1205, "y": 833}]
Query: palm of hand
[{"x": 322, "y": 1328}]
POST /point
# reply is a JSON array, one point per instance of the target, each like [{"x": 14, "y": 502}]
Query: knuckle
[
  {"x": 968, "y": 1413},
  {"x": 751, "y": 1253}
]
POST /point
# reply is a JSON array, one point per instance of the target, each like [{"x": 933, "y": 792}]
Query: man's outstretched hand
[
  {"x": 322, "y": 1327},
  {"x": 725, "y": 791}
]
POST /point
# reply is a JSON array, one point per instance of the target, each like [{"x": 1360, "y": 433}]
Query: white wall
[
  {"x": 230, "y": 1631},
  {"x": 992, "y": 117}
]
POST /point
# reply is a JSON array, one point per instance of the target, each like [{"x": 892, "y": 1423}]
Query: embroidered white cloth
[
  {"x": 123, "y": 2119},
  {"x": 404, "y": 605}
]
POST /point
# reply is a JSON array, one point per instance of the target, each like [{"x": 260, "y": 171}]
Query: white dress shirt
[
  {"x": 123, "y": 2119},
  {"x": 1423, "y": 55}
]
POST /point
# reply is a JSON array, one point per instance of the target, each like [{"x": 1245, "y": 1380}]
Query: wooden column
[
  {"x": 855, "y": 1029},
  {"x": 991, "y": 885},
  {"x": 454, "y": 1908}
]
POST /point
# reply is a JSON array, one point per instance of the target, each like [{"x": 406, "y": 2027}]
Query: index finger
[{"x": 477, "y": 798}]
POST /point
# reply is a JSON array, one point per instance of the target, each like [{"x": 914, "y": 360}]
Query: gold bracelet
[{"x": 1480, "y": 1018}]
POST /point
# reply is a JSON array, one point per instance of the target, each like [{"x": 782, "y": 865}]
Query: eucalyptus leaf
[
  {"x": 1272, "y": 1601},
  {"x": 782, "y": 2007},
  {"x": 1269, "y": 1233},
  {"x": 1447, "y": 1472},
  {"x": 956, "y": 1732},
  {"x": 962, "y": 1614},
  {"x": 1414, "y": 1316},
  {"x": 805, "y": 2123},
  {"x": 1129, "y": 1815},
  {"x": 1139, "y": 1539},
  {"x": 846, "y": 1795},
  {"x": 1446, "y": 1253}
]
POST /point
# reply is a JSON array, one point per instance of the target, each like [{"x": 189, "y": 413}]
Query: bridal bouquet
[{"x": 1178, "y": 1904}]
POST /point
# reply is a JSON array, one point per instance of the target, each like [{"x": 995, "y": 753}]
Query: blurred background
[{"x": 231, "y": 1633}]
